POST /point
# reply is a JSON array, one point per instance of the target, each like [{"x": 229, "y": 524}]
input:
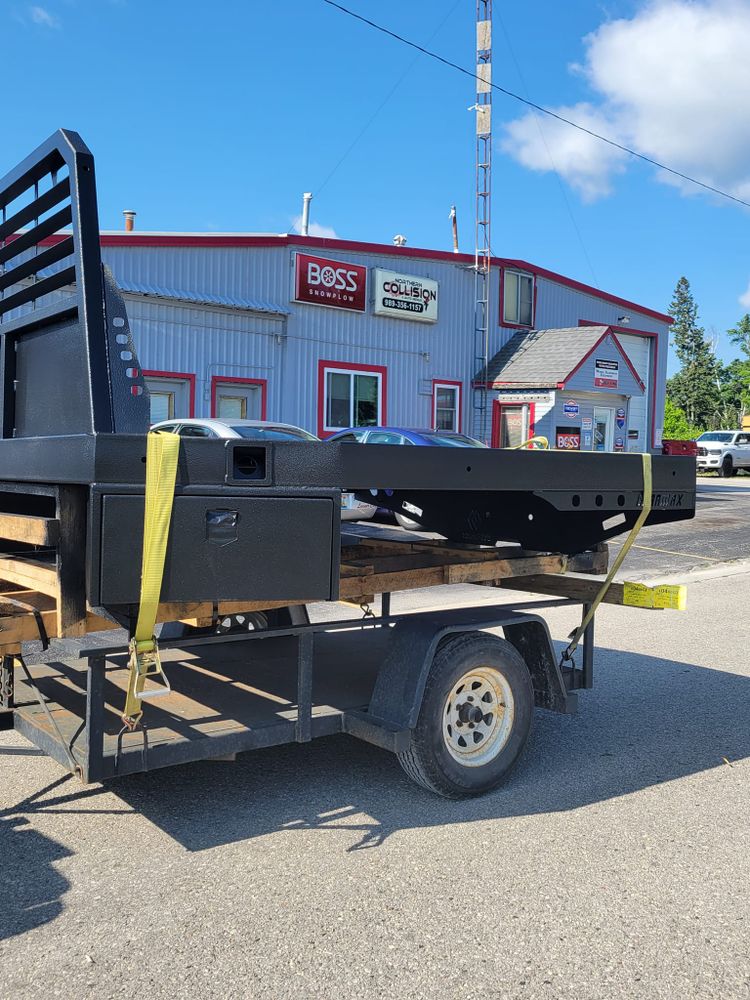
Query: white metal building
[{"x": 332, "y": 333}]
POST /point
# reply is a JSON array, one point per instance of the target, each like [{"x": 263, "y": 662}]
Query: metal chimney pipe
[
  {"x": 129, "y": 220},
  {"x": 454, "y": 220},
  {"x": 306, "y": 199}
]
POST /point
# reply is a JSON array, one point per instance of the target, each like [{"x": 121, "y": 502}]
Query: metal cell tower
[{"x": 483, "y": 252}]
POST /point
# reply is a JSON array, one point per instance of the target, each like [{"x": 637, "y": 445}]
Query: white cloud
[
  {"x": 586, "y": 163},
  {"x": 315, "y": 229},
  {"x": 40, "y": 15},
  {"x": 744, "y": 299},
  {"x": 673, "y": 82}
]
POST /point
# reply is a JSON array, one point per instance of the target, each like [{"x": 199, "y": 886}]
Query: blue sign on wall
[{"x": 570, "y": 408}]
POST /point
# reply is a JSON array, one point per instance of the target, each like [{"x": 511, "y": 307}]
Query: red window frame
[
  {"x": 453, "y": 383},
  {"x": 497, "y": 408},
  {"x": 349, "y": 366},
  {"x": 217, "y": 380},
  {"x": 501, "y": 315},
  {"x": 178, "y": 377}
]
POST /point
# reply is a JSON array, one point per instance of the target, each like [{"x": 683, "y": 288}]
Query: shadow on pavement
[
  {"x": 31, "y": 890},
  {"x": 650, "y": 721}
]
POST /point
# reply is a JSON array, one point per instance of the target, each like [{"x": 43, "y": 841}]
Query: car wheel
[
  {"x": 726, "y": 467},
  {"x": 475, "y": 717}
]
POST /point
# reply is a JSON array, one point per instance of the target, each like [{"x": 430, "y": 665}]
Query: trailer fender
[{"x": 400, "y": 684}]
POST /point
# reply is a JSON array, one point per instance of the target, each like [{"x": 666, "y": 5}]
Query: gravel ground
[{"x": 614, "y": 863}]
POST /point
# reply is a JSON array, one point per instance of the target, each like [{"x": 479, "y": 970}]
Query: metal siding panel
[
  {"x": 410, "y": 351},
  {"x": 173, "y": 337}
]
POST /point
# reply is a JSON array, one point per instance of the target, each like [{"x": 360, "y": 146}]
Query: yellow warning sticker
[{"x": 638, "y": 595}]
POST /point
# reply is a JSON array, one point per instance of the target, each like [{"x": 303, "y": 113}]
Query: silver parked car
[{"x": 260, "y": 430}]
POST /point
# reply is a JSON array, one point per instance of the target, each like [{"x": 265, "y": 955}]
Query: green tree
[
  {"x": 734, "y": 380},
  {"x": 740, "y": 335},
  {"x": 694, "y": 389},
  {"x": 676, "y": 424}
]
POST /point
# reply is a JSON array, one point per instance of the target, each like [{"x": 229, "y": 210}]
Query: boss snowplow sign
[{"x": 321, "y": 281}]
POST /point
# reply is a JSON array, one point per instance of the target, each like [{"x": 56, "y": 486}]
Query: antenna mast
[{"x": 483, "y": 251}]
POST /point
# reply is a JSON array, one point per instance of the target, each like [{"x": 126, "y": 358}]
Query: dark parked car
[{"x": 406, "y": 435}]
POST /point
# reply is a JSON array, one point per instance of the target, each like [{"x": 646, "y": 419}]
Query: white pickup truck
[{"x": 724, "y": 451}]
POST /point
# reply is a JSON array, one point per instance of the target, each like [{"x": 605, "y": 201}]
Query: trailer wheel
[{"x": 475, "y": 717}]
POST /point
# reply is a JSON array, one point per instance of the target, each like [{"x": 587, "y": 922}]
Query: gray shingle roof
[{"x": 541, "y": 358}]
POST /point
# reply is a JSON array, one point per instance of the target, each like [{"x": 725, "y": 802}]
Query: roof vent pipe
[
  {"x": 129, "y": 220},
  {"x": 306, "y": 199},
  {"x": 399, "y": 240},
  {"x": 454, "y": 219}
]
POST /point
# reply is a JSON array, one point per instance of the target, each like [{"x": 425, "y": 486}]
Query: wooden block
[
  {"x": 565, "y": 586},
  {"x": 33, "y": 574},
  {"x": 505, "y": 568},
  {"x": 30, "y": 530},
  {"x": 71, "y": 560}
]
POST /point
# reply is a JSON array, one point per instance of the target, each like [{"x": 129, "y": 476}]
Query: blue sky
[{"x": 218, "y": 116}]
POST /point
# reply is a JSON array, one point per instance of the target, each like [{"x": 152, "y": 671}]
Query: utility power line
[{"x": 538, "y": 107}]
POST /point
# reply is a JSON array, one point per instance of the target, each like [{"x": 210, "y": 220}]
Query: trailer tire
[{"x": 445, "y": 755}]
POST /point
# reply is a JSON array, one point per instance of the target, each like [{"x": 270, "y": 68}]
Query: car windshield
[
  {"x": 716, "y": 436},
  {"x": 453, "y": 440},
  {"x": 273, "y": 433}
]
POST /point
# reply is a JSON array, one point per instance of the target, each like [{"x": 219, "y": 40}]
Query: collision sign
[
  {"x": 321, "y": 281},
  {"x": 405, "y": 296}
]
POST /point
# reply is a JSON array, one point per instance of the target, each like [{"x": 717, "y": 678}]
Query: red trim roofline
[{"x": 354, "y": 246}]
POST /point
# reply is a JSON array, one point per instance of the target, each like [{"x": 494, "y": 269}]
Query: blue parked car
[{"x": 405, "y": 435}]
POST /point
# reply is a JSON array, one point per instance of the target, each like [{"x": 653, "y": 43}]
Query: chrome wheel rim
[{"x": 478, "y": 716}]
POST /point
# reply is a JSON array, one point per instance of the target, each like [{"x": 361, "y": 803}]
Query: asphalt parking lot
[
  {"x": 720, "y": 532},
  {"x": 614, "y": 863}
]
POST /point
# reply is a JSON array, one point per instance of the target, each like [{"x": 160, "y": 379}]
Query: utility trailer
[{"x": 253, "y": 536}]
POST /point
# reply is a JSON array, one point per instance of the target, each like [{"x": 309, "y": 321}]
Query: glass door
[
  {"x": 604, "y": 425},
  {"x": 510, "y": 425}
]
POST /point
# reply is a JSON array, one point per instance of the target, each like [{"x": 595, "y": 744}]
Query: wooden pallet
[{"x": 372, "y": 562}]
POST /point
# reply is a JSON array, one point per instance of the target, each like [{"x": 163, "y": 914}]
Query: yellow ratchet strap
[
  {"x": 162, "y": 450},
  {"x": 538, "y": 442},
  {"x": 575, "y": 637}
]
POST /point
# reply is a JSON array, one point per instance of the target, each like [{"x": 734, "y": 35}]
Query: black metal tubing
[
  {"x": 7, "y": 672},
  {"x": 94, "y": 762},
  {"x": 78, "y": 346},
  {"x": 587, "y": 680},
  {"x": 305, "y": 660}
]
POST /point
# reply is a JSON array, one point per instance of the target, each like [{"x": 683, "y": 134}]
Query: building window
[
  {"x": 446, "y": 406},
  {"x": 238, "y": 398},
  {"x": 518, "y": 298},
  {"x": 350, "y": 396},
  {"x": 171, "y": 395}
]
